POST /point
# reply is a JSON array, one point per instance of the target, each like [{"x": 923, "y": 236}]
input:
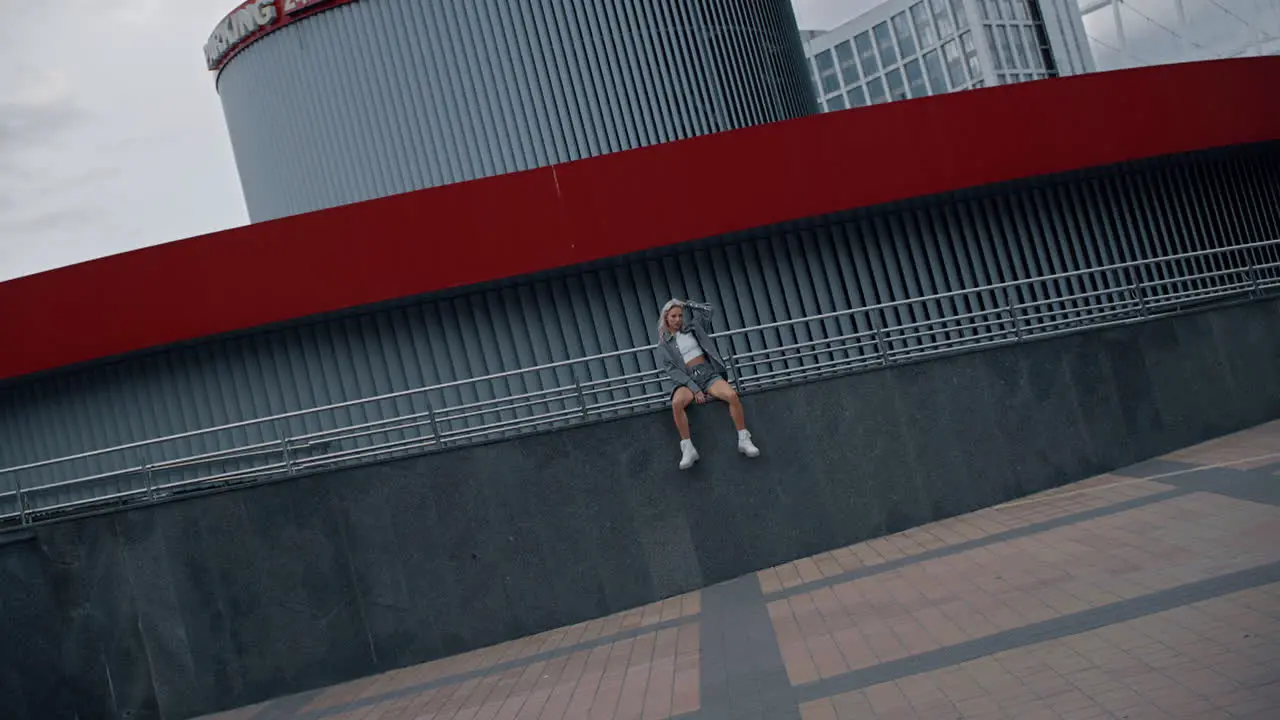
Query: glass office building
[
  {"x": 1158, "y": 32},
  {"x": 912, "y": 48}
]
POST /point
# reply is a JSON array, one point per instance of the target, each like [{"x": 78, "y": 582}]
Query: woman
[{"x": 696, "y": 372}]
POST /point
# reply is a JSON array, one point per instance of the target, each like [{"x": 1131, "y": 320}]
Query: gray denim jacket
[{"x": 672, "y": 362}]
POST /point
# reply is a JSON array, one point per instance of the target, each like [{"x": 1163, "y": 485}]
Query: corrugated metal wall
[
  {"x": 380, "y": 97},
  {"x": 1023, "y": 230}
]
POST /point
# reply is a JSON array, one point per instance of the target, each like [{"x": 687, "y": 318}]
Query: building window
[
  {"x": 955, "y": 63},
  {"x": 924, "y": 26},
  {"x": 962, "y": 17},
  {"x": 897, "y": 86},
  {"x": 979, "y": 84},
  {"x": 1006, "y": 9},
  {"x": 902, "y": 28},
  {"x": 827, "y": 73},
  {"x": 1023, "y": 60},
  {"x": 836, "y": 102},
  {"x": 884, "y": 41},
  {"x": 915, "y": 79},
  {"x": 933, "y": 69},
  {"x": 942, "y": 18},
  {"x": 991, "y": 44},
  {"x": 1046, "y": 58},
  {"x": 848, "y": 63},
  {"x": 989, "y": 11},
  {"x": 867, "y": 54},
  {"x": 1006, "y": 53},
  {"x": 971, "y": 54},
  {"x": 1020, "y": 11},
  {"x": 857, "y": 97},
  {"x": 875, "y": 88},
  {"x": 1037, "y": 57}
]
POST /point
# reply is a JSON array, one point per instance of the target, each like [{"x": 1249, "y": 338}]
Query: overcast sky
[{"x": 112, "y": 137}]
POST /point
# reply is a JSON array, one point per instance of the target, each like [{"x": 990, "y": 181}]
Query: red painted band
[{"x": 607, "y": 206}]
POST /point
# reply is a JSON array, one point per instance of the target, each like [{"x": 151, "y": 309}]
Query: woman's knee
[
  {"x": 682, "y": 398},
  {"x": 724, "y": 391}
]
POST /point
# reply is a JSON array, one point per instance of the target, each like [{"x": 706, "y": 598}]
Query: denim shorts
[{"x": 704, "y": 375}]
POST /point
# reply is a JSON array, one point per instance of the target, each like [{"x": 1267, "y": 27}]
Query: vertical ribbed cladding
[
  {"x": 864, "y": 258},
  {"x": 379, "y": 97}
]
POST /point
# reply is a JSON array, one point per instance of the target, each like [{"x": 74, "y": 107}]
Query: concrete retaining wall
[{"x": 223, "y": 600}]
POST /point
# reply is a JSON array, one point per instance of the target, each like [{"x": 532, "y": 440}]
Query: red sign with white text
[
  {"x": 296, "y": 6},
  {"x": 254, "y": 19}
]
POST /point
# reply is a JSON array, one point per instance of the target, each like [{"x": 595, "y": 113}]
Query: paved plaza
[{"x": 1151, "y": 592}]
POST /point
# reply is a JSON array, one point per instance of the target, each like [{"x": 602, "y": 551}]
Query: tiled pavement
[{"x": 1153, "y": 592}]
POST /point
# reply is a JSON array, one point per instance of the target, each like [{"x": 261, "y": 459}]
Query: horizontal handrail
[
  {"x": 229, "y": 454},
  {"x": 1000, "y": 286},
  {"x": 1110, "y": 291},
  {"x": 638, "y": 350},
  {"x": 325, "y": 408},
  {"x": 322, "y": 437}
]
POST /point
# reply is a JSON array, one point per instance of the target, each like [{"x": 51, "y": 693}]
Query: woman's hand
[{"x": 700, "y": 398}]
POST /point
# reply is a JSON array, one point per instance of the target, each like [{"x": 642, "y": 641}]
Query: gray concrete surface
[{"x": 224, "y": 600}]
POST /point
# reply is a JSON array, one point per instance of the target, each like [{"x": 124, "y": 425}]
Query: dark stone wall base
[{"x": 223, "y": 600}]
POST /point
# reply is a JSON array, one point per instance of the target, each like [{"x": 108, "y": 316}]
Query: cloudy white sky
[{"x": 112, "y": 137}]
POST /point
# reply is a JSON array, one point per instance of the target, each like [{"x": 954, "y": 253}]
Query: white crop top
[{"x": 689, "y": 347}]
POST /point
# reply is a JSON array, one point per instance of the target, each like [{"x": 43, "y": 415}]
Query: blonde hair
[{"x": 663, "y": 332}]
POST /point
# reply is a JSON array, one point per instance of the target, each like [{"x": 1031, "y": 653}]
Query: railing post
[
  {"x": 284, "y": 447},
  {"x": 877, "y": 320},
  {"x": 1012, "y": 309},
  {"x": 431, "y": 418},
  {"x": 22, "y": 501},
  {"x": 1136, "y": 289},
  {"x": 582, "y": 396},
  {"x": 147, "y": 475},
  {"x": 736, "y": 381}
]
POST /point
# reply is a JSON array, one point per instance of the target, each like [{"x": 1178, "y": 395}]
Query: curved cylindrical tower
[{"x": 335, "y": 102}]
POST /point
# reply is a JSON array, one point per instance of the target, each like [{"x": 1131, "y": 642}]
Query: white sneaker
[
  {"x": 745, "y": 446},
  {"x": 688, "y": 454}
]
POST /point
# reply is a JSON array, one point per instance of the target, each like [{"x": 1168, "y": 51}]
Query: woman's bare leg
[
  {"x": 722, "y": 390},
  {"x": 680, "y": 401}
]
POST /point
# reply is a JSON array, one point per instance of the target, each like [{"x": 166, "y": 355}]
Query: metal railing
[{"x": 534, "y": 399}]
